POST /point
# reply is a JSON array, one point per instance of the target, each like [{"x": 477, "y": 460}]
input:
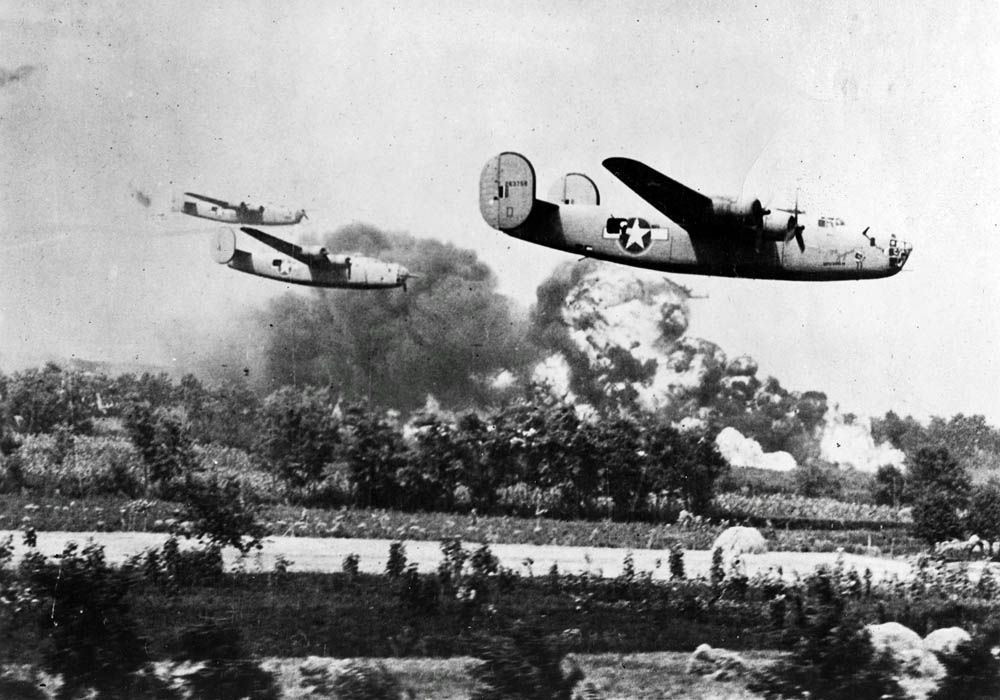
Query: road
[{"x": 325, "y": 554}]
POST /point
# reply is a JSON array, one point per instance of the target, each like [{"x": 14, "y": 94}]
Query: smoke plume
[
  {"x": 19, "y": 74},
  {"x": 450, "y": 335},
  {"x": 615, "y": 336}
]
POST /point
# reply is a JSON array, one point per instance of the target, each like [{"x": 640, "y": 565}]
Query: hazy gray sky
[{"x": 886, "y": 117}]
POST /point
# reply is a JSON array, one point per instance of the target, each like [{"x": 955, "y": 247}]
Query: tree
[
  {"x": 374, "y": 451},
  {"x": 299, "y": 433},
  {"x": 42, "y": 399},
  {"x": 686, "y": 464},
  {"x": 935, "y": 518},
  {"x": 163, "y": 442},
  {"x": 221, "y": 514},
  {"x": 984, "y": 510},
  {"x": 933, "y": 469},
  {"x": 888, "y": 486},
  {"x": 939, "y": 487}
]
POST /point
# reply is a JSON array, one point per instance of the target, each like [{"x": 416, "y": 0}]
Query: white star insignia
[{"x": 633, "y": 237}]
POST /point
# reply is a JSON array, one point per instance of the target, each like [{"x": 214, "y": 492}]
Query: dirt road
[{"x": 327, "y": 554}]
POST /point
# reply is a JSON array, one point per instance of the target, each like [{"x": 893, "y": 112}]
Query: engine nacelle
[
  {"x": 507, "y": 191},
  {"x": 315, "y": 253},
  {"x": 754, "y": 215}
]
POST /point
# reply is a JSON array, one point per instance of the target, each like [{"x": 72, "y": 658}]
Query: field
[{"x": 652, "y": 676}]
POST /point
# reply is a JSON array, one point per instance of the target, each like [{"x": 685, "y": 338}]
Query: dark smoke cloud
[
  {"x": 17, "y": 75},
  {"x": 447, "y": 336}
]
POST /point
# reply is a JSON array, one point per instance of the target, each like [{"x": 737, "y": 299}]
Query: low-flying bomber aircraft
[
  {"x": 314, "y": 266},
  {"x": 220, "y": 210},
  {"x": 705, "y": 236}
]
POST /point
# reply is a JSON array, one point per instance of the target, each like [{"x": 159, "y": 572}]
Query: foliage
[
  {"x": 226, "y": 671},
  {"x": 221, "y": 514},
  {"x": 366, "y": 681},
  {"x": 522, "y": 665},
  {"x": 889, "y": 486},
  {"x": 299, "y": 433},
  {"x": 973, "y": 673},
  {"x": 797, "y": 510},
  {"x": 984, "y": 511},
  {"x": 93, "y": 640},
  {"x": 935, "y": 518},
  {"x": 374, "y": 451},
  {"x": 933, "y": 469},
  {"x": 396, "y": 563},
  {"x": 40, "y": 399},
  {"x": 834, "y": 658},
  {"x": 163, "y": 442}
]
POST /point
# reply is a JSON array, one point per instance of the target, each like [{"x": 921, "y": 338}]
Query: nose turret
[{"x": 899, "y": 252}]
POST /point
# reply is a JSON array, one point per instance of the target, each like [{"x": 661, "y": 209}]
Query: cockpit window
[{"x": 825, "y": 221}]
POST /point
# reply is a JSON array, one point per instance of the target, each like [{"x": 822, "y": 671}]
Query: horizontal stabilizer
[{"x": 672, "y": 199}]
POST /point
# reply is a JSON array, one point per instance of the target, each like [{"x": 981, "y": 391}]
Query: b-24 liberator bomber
[
  {"x": 719, "y": 236},
  {"x": 220, "y": 210},
  {"x": 314, "y": 266}
]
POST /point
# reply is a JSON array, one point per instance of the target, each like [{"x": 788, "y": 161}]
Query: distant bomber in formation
[
  {"x": 220, "y": 210},
  {"x": 706, "y": 235},
  {"x": 313, "y": 265}
]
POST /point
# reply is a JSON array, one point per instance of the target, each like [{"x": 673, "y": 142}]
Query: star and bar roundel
[{"x": 635, "y": 235}]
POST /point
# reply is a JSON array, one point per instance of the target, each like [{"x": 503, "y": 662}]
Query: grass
[{"x": 647, "y": 676}]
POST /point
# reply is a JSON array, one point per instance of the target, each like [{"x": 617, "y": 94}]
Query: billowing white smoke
[
  {"x": 617, "y": 333},
  {"x": 554, "y": 371},
  {"x": 741, "y": 451},
  {"x": 627, "y": 327},
  {"x": 851, "y": 444}
]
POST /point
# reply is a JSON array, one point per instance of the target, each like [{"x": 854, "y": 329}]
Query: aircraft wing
[
  {"x": 297, "y": 252},
  {"x": 681, "y": 204},
  {"x": 210, "y": 200}
]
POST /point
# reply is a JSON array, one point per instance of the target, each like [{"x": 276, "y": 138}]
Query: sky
[{"x": 883, "y": 114}]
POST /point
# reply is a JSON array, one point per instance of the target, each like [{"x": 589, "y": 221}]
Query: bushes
[
  {"x": 834, "y": 658},
  {"x": 522, "y": 664},
  {"x": 363, "y": 681}
]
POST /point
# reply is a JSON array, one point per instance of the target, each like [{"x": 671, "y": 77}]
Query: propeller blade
[{"x": 798, "y": 239}]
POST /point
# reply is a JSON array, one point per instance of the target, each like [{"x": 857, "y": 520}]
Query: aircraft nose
[{"x": 899, "y": 253}]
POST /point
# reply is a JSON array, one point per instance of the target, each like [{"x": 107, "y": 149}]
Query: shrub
[
  {"x": 226, "y": 671},
  {"x": 522, "y": 665},
  {"x": 935, "y": 517},
  {"x": 361, "y": 681},
  {"x": 221, "y": 514},
  {"x": 973, "y": 673},
  {"x": 834, "y": 658},
  {"x": 350, "y": 565},
  {"x": 92, "y": 639},
  {"x": 396, "y": 563}
]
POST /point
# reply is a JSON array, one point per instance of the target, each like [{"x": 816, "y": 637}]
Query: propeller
[
  {"x": 794, "y": 230},
  {"x": 405, "y": 275}
]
